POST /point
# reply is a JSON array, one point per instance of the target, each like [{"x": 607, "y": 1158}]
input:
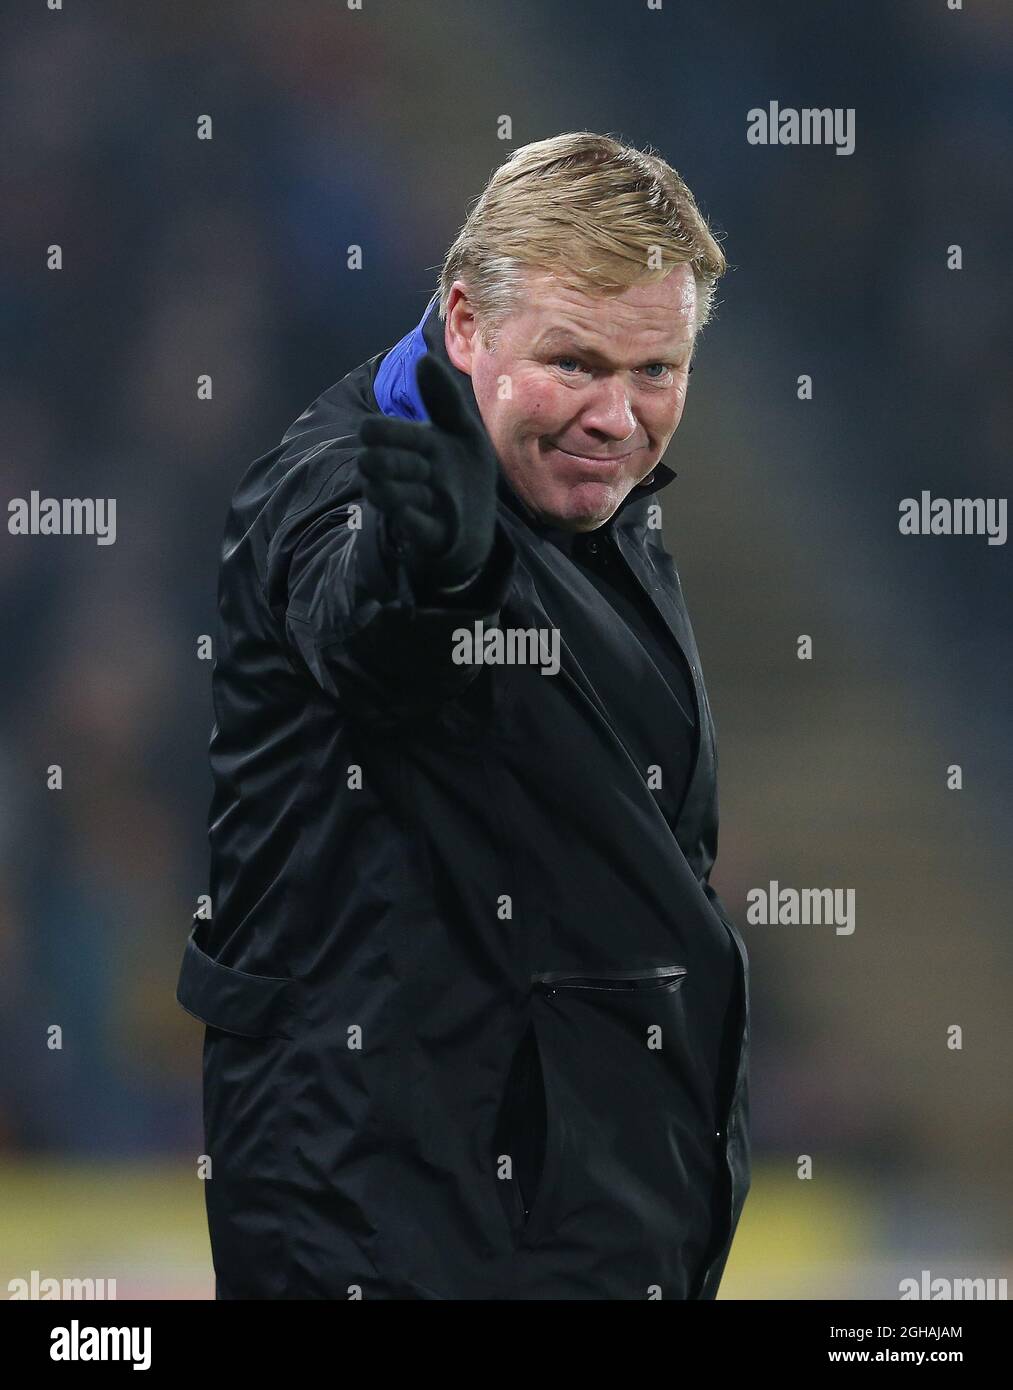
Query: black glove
[{"x": 433, "y": 482}]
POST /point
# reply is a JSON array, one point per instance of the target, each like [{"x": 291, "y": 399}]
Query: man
[{"x": 477, "y": 1024}]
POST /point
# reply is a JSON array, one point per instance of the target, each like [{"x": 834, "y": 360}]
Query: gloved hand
[{"x": 434, "y": 482}]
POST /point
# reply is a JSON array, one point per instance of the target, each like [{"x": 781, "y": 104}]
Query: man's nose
[{"x": 609, "y": 412}]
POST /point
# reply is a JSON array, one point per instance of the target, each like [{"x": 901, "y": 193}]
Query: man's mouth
[{"x": 594, "y": 460}]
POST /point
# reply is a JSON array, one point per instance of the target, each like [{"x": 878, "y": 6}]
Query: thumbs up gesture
[{"x": 434, "y": 482}]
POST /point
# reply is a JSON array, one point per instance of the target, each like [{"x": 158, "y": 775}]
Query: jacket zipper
[{"x": 656, "y": 981}]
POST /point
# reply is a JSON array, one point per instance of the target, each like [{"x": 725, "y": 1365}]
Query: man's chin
[{"x": 589, "y": 505}]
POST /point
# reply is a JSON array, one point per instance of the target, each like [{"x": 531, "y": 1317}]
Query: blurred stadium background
[{"x": 182, "y": 256}]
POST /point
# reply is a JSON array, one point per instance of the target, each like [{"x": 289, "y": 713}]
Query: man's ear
[{"x": 460, "y": 329}]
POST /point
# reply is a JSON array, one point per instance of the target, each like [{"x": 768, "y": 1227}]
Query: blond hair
[{"x": 598, "y": 214}]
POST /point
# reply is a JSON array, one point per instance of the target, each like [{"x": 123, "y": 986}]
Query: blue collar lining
[{"x": 395, "y": 387}]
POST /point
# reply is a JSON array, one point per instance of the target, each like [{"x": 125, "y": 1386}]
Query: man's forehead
[
  {"x": 556, "y": 333},
  {"x": 671, "y": 342},
  {"x": 656, "y": 316}
]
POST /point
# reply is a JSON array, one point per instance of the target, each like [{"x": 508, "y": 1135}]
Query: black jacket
[{"x": 477, "y": 1024}]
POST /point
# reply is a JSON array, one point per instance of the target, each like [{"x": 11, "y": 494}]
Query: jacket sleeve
[{"x": 349, "y": 613}]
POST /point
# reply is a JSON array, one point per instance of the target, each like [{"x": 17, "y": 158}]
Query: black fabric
[
  {"x": 596, "y": 557},
  {"x": 661, "y": 730},
  {"x": 403, "y": 848}
]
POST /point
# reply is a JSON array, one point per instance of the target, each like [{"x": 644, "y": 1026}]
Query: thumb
[{"x": 442, "y": 396}]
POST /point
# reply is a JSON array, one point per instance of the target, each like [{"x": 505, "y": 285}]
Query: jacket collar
[{"x": 397, "y": 393}]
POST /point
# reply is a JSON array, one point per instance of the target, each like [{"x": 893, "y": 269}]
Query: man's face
[{"x": 582, "y": 393}]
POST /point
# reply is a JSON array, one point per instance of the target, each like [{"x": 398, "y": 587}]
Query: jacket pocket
[
  {"x": 662, "y": 979},
  {"x": 609, "y": 1173},
  {"x": 524, "y": 1132},
  {"x": 250, "y": 1006},
  {"x": 537, "y": 1120},
  {"x": 248, "y": 1132}
]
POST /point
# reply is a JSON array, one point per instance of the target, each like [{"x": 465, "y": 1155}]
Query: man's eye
[{"x": 565, "y": 363}]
